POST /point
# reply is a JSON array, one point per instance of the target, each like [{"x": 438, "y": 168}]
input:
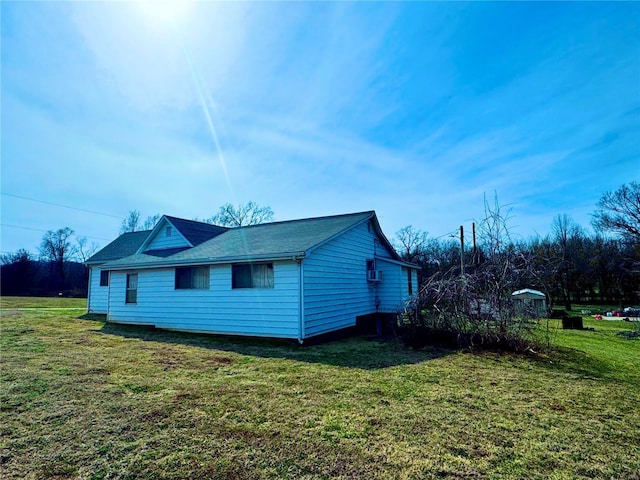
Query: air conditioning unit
[{"x": 374, "y": 275}]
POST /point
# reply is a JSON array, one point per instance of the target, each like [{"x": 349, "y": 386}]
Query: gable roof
[
  {"x": 193, "y": 232},
  {"x": 196, "y": 232},
  {"x": 264, "y": 241},
  {"x": 123, "y": 246},
  {"x": 293, "y": 237}
]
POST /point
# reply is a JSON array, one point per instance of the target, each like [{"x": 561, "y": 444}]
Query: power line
[
  {"x": 448, "y": 234},
  {"x": 60, "y": 205},
  {"x": 41, "y": 230}
]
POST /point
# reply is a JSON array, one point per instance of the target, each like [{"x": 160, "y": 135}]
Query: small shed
[{"x": 530, "y": 301}]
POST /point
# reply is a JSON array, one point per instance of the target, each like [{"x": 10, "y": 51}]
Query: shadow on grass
[
  {"x": 349, "y": 348},
  {"x": 581, "y": 364}
]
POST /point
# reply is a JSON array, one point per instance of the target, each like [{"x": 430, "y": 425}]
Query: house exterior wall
[
  {"x": 98, "y": 296},
  {"x": 390, "y": 289},
  {"x": 272, "y": 312},
  {"x": 404, "y": 283},
  {"x": 161, "y": 241},
  {"x": 336, "y": 289},
  {"x": 394, "y": 289}
]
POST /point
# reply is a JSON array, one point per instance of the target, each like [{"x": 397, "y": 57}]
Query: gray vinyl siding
[
  {"x": 220, "y": 309},
  {"x": 97, "y": 302},
  {"x": 336, "y": 289}
]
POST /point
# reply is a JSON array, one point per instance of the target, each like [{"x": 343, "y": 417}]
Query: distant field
[
  {"x": 85, "y": 399},
  {"x": 42, "y": 302},
  {"x": 593, "y": 309}
]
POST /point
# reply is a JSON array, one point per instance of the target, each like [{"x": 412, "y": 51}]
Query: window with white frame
[
  {"x": 252, "y": 275},
  {"x": 132, "y": 288},
  {"x": 192, "y": 278}
]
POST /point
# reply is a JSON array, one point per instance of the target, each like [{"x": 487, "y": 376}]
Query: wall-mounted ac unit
[{"x": 374, "y": 275}]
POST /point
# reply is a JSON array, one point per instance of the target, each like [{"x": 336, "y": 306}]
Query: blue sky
[{"x": 415, "y": 110}]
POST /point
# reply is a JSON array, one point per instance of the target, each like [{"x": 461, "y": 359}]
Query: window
[
  {"x": 371, "y": 264},
  {"x": 192, "y": 278},
  {"x": 258, "y": 275},
  {"x": 132, "y": 288},
  {"x": 104, "y": 278},
  {"x": 167, "y": 231},
  {"x": 410, "y": 280}
]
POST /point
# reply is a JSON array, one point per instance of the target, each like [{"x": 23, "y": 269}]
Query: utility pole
[
  {"x": 475, "y": 251},
  {"x": 461, "y": 250}
]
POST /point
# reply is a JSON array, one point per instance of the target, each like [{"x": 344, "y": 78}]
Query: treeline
[
  {"x": 21, "y": 274},
  {"x": 57, "y": 270},
  {"x": 581, "y": 268},
  {"x": 570, "y": 265}
]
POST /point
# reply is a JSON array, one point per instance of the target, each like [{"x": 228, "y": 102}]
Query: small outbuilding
[{"x": 530, "y": 301}]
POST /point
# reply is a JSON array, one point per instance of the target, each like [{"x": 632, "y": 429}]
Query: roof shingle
[
  {"x": 196, "y": 232},
  {"x": 292, "y": 237},
  {"x": 123, "y": 246}
]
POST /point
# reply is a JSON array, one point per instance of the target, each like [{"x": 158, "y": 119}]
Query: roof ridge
[
  {"x": 305, "y": 219},
  {"x": 171, "y": 217},
  {"x": 272, "y": 223}
]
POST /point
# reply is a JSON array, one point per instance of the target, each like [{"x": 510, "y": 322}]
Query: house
[
  {"x": 530, "y": 301},
  {"x": 293, "y": 279}
]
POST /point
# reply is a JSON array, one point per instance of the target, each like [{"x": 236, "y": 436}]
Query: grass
[
  {"x": 85, "y": 399},
  {"x": 42, "y": 302}
]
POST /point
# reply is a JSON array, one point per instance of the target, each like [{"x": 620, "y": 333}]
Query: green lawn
[
  {"x": 85, "y": 399},
  {"x": 42, "y": 302}
]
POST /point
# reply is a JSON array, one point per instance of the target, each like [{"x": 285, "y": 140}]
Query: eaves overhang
[
  {"x": 294, "y": 256},
  {"x": 398, "y": 262}
]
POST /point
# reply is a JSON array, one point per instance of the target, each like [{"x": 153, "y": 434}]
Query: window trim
[
  {"x": 131, "y": 291},
  {"x": 252, "y": 272},
  {"x": 371, "y": 264},
  {"x": 192, "y": 275},
  {"x": 104, "y": 278}
]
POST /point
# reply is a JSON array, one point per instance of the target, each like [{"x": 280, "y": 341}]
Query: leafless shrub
[{"x": 475, "y": 309}]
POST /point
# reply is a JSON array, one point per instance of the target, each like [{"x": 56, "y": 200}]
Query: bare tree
[
  {"x": 19, "y": 256},
  {"x": 242, "y": 215},
  {"x": 84, "y": 249},
  {"x": 493, "y": 230},
  {"x": 619, "y": 211},
  {"x": 475, "y": 308},
  {"x": 411, "y": 243},
  {"x": 56, "y": 247},
  {"x": 151, "y": 221},
  {"x": 566, "y": 234},
  {"x": 133, "y": 222},
  {"x": 18, "y": 272},
  {"x": 543, "y": 266}
]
